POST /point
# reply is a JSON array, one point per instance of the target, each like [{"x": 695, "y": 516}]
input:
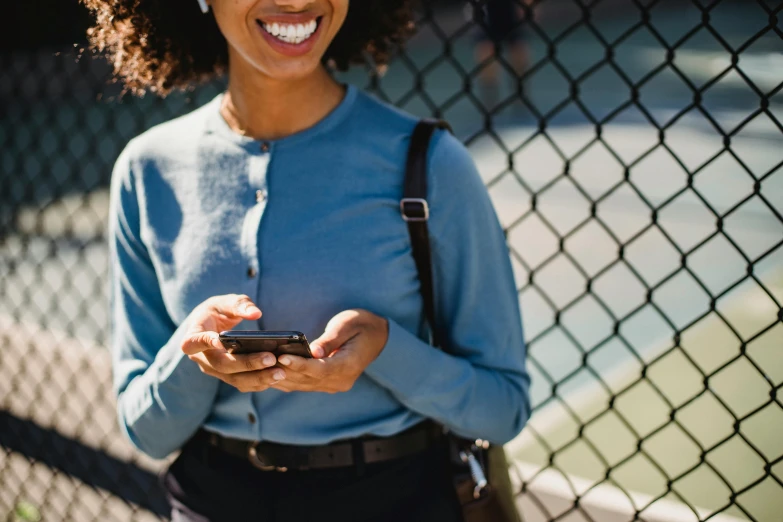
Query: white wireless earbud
[{"x": 203, "y": 5}]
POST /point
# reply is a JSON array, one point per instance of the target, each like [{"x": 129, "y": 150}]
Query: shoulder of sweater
[
  {"x": 454, "y": 179},
  {"x": 444, "y": 147},
  {"x": 385, "y": 117},
  {"x": 170, "y": 139}
]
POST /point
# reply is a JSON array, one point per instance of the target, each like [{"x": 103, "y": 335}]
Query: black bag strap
[{"x": 415, "y": 211}]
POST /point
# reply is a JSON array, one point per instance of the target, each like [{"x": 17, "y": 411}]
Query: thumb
[
  {"x": 200, "y": 342},
  {"x": 339, "y": 331}
]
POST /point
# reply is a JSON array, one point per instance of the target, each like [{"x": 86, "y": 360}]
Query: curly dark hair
[{"x": 162, "y": 45}]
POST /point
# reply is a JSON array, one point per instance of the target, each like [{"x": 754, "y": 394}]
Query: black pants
[{"x": 205, "y": 484}]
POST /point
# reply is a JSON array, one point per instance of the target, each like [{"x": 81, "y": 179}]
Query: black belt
[{"x": 270, "y": 456}]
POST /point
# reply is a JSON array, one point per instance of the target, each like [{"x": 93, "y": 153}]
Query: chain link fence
[{"x": 634, "y": 152}]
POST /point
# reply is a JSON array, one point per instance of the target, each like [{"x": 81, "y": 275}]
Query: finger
[
  {"x": 258, "y": 380},
  {"x": 225, "y": 362},
  {"x": 234, "y": 305},
  {"x": 340, "y": 329},
  {"x": 294, "y": 362},
  {"x": 332, "y": 341},
  {"x": 287, "y": 386},
  {"x": 205, "y": 367},
  {"x": 201, "y": 341},
  {"x": 303, "y": 370}
]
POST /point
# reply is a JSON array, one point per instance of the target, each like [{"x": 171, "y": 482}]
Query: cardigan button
[
  {"x": 264, "y": 146},
  {"x": 251, "y": 272}
]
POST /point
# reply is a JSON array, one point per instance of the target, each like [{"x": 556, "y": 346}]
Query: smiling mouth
[{"x": 291, "y": 33}]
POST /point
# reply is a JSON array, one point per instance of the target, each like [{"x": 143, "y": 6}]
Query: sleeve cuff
[
  {"x": 404, "y": 363},
  {"x": 172, "y": 383},
  {"x": 173, "y": 367}
]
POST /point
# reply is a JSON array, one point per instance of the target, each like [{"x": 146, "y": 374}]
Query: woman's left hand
[{"x": 351, "y": 341}]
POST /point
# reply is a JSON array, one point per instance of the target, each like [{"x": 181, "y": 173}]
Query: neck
[{"x": 267, "y": 109}]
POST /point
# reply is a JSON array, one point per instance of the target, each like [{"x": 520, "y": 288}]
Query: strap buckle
[
  {"x": 420, "y": 214},
  {"x": 476, "y": 472},
  {"x": 255, "y": 460}
]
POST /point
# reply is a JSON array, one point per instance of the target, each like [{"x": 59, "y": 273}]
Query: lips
[{"x": 291, "y": 34}]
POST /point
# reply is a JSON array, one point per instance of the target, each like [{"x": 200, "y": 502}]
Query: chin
[{"x": 290, "y": 71}]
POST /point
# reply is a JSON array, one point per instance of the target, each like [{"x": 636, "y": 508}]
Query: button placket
[{"x": 258, "y": 164}]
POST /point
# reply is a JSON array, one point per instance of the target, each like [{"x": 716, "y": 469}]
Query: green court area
[{"x": 727, "y": 427}]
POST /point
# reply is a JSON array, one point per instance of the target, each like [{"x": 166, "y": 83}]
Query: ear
[{"x": 203, "y": 5}]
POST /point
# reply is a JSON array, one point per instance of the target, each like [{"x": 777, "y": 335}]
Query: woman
[{"x": 282, "y": 195}]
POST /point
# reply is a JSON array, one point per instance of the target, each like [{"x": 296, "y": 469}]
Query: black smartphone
[{"x": 275, "y": 342}]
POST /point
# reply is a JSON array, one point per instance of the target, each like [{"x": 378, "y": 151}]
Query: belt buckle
[{"x": 255, "y": 460}]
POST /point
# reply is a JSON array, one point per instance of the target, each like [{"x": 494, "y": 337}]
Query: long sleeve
[
  {"x": 480, "y": 388},
  {"x": 162, "y": 396}
]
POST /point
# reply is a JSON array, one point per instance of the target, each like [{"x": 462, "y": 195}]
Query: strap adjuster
[{"x": 411, "y": 213}]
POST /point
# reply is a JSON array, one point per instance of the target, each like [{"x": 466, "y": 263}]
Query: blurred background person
[{"x": 501, "y": 36}]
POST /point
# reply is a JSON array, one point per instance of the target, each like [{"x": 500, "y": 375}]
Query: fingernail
[
  {"x": 285, "y": 361},
  {"x": 267, "y": 360},
  {"x": 317, "y": 351},
  {"x": 216, "y": 343},
  {"x": 278, "y": 375}
]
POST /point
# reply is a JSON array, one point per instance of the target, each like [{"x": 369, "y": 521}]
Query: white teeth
[{"x": 291, "y": 33}]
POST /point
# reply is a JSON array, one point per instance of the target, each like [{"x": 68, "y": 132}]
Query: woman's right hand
[{"x": 247, "y": 372}]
